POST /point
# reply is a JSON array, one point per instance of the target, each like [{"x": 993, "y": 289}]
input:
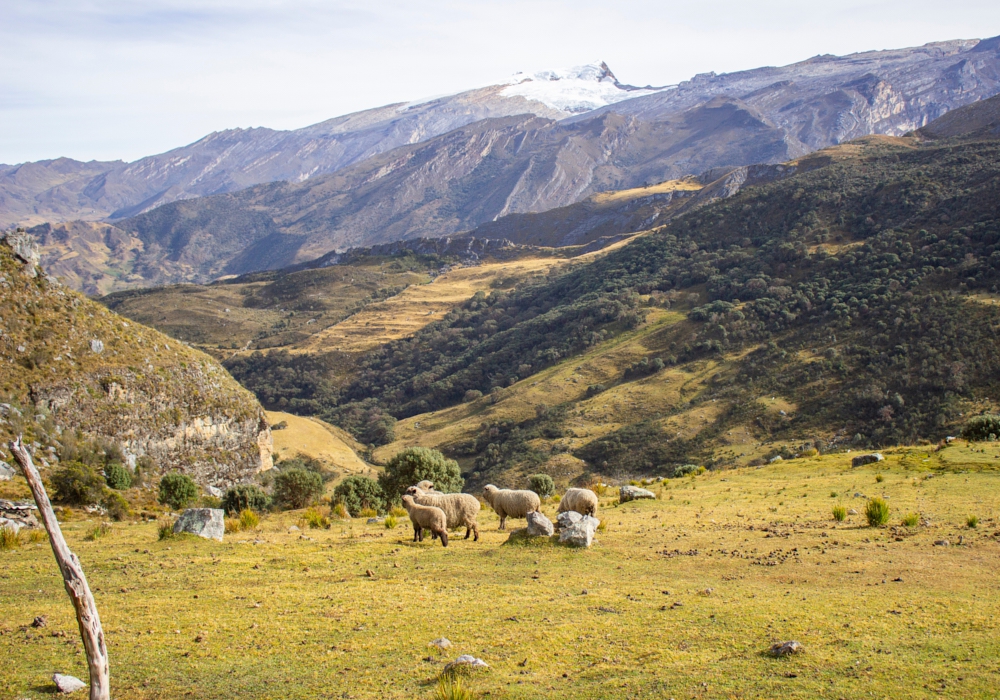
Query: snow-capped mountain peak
[{"x": 573, "y": 90}]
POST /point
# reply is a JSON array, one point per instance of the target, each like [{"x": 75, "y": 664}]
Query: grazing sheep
[
  {"x": 583, "y": 501},
  {"x": 426, "y": 517},
  {"x": 461, "y": 509},
  {"x": 509, "y": 503},
  {"x": 428, "y": 487}
]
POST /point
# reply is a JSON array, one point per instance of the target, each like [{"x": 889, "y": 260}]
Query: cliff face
[{"x": 67, "y": 363}]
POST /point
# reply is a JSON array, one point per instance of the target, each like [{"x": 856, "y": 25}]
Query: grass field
[{"x": 680, "y": 597}]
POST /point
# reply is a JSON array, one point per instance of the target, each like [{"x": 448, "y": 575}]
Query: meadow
[{"x": 680, "y": 597}]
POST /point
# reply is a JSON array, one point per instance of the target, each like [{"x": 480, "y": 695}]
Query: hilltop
[{"x": 68, "y": 364}]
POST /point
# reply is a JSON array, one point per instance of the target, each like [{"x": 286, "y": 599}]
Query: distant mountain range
[{"x": 243, "y": 200}]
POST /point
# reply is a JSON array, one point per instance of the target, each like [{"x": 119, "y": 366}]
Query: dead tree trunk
[{"x": 73, "y": 577}]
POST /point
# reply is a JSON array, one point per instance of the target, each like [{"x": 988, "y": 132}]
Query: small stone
[
  {"x": 294, "y": 528},
  {"x": 786, "y": 648},
  {"x": 852, "y": 512},
  {"x": 96, "y": 346},
  {"x": 369, "y": 573},
  {"x": 466, "y": 661},
  {"x": 441, "y": 643},
  {"x": 942, "y": 543},
  {"x": 67, "y": 684}
]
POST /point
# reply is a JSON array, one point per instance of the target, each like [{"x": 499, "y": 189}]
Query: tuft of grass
[
  {"x": 367, "y": 512},
  {"x": 391, "y": 522},
  {"x": 879, "y": 478},
  {"x": 37, "y": 535},
  {"x": 9, "y": 538},
  {"x": 972, "y": 522},
  {"x": 452, "y": 687},
  {"x": 839, "y": 513},
  {"x": 316, "y": 520},
  {"x": 232, "y": 526},
  {"x": 834, "y": 494},
  {"x": 602, "y": 526},
  {"x": 165, "y": 531},
  {"x": 248, "y": 519},
  {"x": 911, "y": 519},
  {"x": 877, "y": 512},
  {"x": 397, "y": 512},
  {"x": 97, "y": 532},
  {"x": 339, "y": 512}
]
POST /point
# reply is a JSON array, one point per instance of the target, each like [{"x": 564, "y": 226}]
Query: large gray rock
[
  {"x": 539, "y": 525},
  {"x": 204, "y": 522},
  {"x": 633, "y": 493},
  {"x": 24, "y": 247},
  {"x": 862, "y": 460},
  {"x": 580, "y": 533},
  {"x": 67, "y": 684},
  {"x": 568, "y": 518}
]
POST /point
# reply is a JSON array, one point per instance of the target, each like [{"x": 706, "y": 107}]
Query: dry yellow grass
[
  {"x": 687, "y": 184},
  {"x": 680, "y": 597},
  {"x": 316, "y": 438}
]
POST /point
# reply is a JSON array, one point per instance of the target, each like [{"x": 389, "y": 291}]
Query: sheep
[
  {"x": 460, "y": 508},
  {"x": 583, "y": 501},
  {"x": 426, "y": 517},
  {"x": 511, "y": 504},
  {"x": 428, "y": 488}
]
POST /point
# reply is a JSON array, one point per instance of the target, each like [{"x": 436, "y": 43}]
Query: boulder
[
  {"x": 204, "y": 522},
  {"x": 568, "y": 518},
  {"x": 633, "y": 493},
  {"x": 862, "y": 460},
  {"x": 67, "y": 684},
  {"x": 539, "y": 525},
  {"x": 580, "y": 533},
  {"x": 213, "y": 491},
  {"x": 25, "y": 248},
  {"x": 18, "y": 514},
  {"x": 465, "y": 661}
]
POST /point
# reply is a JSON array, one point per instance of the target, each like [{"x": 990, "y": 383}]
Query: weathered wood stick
[{"x": 73, "y": 577}]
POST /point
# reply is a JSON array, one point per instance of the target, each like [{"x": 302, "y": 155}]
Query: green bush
[
  {"x": 982, "y": 428},
  {"x": 416, "y": 464},
  {"x": 248, "y": 519},
  {"x": 177, "y": 490},
  {"x": 358, "y": 493},
  {"x": 117, "y": 476},
  {"x": 115, "y": 504},
  {"x": 244, "y": 497},
  {"x": 542, "y": 484},
  {"x": 877, "y": 512},
  {"x": 76, "y": 483},
  {"x": 911, "y": 519},
  {"x": 297, "y": 488},
  {"x": 972, "y": 522},
  {"x": 839, "y": 513},
  {"x": 316, "y": 520},
  {"x": 304, "y": 461}
]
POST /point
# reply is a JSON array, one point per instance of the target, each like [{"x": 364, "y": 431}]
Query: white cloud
[{"x": 120, "y": 79}]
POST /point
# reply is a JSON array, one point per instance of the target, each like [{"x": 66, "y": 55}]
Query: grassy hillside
[
  {"x": 68, "y": 364},
  {"x": 851, "y": 304},
  {"x": 680, "y": 597}
]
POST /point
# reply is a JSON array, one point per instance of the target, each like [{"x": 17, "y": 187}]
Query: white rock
[
  {"x": 67, "y": 684},
  {"x": 204, "y": 522}
]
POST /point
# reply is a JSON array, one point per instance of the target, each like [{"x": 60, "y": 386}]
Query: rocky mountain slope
[
  {"x": 852, "y": 302},
  {"x": 456, "y": 179},
  {"x": 69, "y": 364}
]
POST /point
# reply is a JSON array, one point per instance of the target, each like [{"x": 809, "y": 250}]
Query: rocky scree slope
[{"x": 69, "y": 364}]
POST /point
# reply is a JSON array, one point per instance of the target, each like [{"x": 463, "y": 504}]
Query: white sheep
[
  {"x": 509, "y": 503},
  {"x": 426, "y": 517},
  {"x": 582, "y": 501},
  {"x": 428, "y": 487},
  {"x": 461, "y": 509}
]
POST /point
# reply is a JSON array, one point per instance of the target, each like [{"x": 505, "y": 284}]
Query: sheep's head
[
  {"x": 407, "y": 501},
  {"x": 488, "y": 492},
  {"x": 425, "y": 485},
  {"x": 414, "y": 491}
]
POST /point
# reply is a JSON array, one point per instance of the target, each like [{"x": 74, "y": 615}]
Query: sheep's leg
[
  {"x": 417, "y": 530},
  {"x": 468, "y": 531},
  {"x": 503, "y": 521},
  {"x": 475, "y": 530}
]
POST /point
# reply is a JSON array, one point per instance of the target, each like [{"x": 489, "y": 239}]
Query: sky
[{"x": 120, "y": 79}]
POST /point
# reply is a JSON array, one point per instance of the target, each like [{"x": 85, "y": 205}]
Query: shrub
[
  {"x": 982, "y": 428},
  {"x": 97, "y": 532},
  {"x": 117, "y": 476},
  {"x": 232, "y": 525},
  {"x": 542, "y": 484},
  {"x": 243, "y": 497},
  {"x": 911, "y": 519},
  {"x": 359, "y": 492},
  {"x": 177, "y": 490},
  {"x": 297, "y": 488},
  {"x": 316, "y": 520},
  {"x": 473, "y": 395},
  {"x": 398, "y": 512},
  {"x": 9, "y": 538},
  {"x": 309, "y": 463},
  {"x": 594, "y": 389},
  {"x": 599, "y": 488},
  {"x": 972, "y": 522},
  {"x": 367, "y": 512},
  {"x": 339, "y": 511},
  {"x": 36, "y": 535},
  {"x": 248, "y": 519},
  {"x": 879, "y": 478},
  {"x": 684, "y": 470},
  {"x": 391, "y": 522},
  {"x": 877, "y": 512},
  {"x": 165, "y": 531},
  {"x": 117, "y": 507},
  {"x": 77, "y": 484},
  {"x": 839, "y": 513},
  {"x": 415, "y": 464}
]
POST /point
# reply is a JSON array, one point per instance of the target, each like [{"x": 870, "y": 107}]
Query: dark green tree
[
  {"x": 418, "y": 464},
  {"x": 177, "y": 490},
  {"x": 297, "y": 488},
  {"x": 357, "y": 492}
]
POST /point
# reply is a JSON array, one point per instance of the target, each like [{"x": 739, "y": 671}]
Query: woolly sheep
[
  {"x": 509, "y": 503},
  {"x": 583, "y": 501},
  {"x": 426, "y": 517},
  {"x": 428, "y": 487},
  {"x": 461, "y": 509}
]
